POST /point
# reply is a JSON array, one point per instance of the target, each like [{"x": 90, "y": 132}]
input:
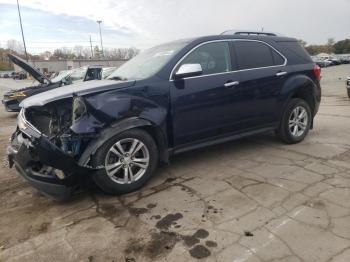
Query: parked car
[
  {"x": 345, "y": 59},
  {"x": 5, "y": 74},
  {"x": 169, "y": 99},
  {"x": 334, "y": 60},
  {"x": 321, "y": 62},
  {"x": 348, "y": 85},
  {"x": 19, "y": 75},
  {"x": 13, "y": 98}
]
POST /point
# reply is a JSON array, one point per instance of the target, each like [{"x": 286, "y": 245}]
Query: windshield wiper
[{"x": 118, "y": 78}]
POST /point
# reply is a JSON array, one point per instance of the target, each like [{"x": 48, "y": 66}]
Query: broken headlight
[
  {"x": 21, "y": 122},
  {"x": 79, "y": 108}
]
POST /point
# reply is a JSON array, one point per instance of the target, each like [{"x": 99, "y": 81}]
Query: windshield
[
  {"x": 61, "y": 75},
  {"x": 147, "y": 63},
  {"x": 74, "y": 74},
  {"x": 107, "y": 71},
  {"x": 78, "y": 73}
]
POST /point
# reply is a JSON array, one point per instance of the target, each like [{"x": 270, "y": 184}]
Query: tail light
[{"x": 317, "y": 72}]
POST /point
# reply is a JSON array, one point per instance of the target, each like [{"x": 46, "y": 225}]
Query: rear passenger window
[
  {"x": 251, "y": 54},
  {"x": 278, "y": 59}
]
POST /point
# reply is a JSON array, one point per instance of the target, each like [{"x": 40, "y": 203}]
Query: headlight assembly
[
  {"x": 79, "y": 108},
  {"x": 21, "y": 122},
  {"x": 25, "y": 126}
]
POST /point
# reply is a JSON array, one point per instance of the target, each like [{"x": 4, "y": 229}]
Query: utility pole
[
  {"x": 92, "y": 52},
  {"x": 20, "y": 21},
  {"x": 99, "y": 25}
]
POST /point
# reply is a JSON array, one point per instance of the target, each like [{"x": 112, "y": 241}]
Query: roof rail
[{"x": 245, "y": 32}]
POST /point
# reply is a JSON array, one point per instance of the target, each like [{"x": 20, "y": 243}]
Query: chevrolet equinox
[{"x": 169, "y": 99}]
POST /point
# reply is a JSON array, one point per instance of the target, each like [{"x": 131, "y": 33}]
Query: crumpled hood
[{"x": 79, "y": 89}]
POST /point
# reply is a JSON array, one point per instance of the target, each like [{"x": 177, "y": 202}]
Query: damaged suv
[{"x": 169, "y": 99}]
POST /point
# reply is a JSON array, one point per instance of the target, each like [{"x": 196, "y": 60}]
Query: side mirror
[{"x": 188, "y": 70}]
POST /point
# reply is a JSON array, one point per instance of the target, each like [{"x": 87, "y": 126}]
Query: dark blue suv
[{"x": 169, "y": 99}]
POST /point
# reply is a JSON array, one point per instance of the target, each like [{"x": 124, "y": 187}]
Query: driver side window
[{"x": 213, "y": 57}]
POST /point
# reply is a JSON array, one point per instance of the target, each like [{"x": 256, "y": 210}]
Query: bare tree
[
  {"x": 78, "y": 51},
  {"x": 330, "y": 45},
  {"x": 15, "y": 45}
]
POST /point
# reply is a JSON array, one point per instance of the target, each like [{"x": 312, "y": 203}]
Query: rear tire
[
  {"x": 296, "y": 122},
  {"x": 349, "y": 93},
  {"x": 129, "y": 159}
]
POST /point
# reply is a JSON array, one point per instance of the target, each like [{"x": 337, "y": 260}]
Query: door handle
[
  {"x": 281, "y": 73},
  {"x": 231, "y": 84}
]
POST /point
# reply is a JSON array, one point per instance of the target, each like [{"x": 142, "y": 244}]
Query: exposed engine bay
[{"x": 54, "y": 120}]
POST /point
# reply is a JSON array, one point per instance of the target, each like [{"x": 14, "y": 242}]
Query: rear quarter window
[
  {"x": 254, "y": 54},
  {"x": 295, "y": 53}
]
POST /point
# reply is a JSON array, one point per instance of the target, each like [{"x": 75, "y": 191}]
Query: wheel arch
[
  {"x": 299, "y": 86},
  {"x": 121, "y": 126}
]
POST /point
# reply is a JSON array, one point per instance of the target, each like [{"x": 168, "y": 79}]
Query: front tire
[
  {"x": 296, "y": 122},
  {"x": 349, "y": 92},
  {"x": 129, "y": 160}
]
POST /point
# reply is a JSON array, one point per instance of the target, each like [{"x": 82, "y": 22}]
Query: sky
[{"x": 49, "y": 24}]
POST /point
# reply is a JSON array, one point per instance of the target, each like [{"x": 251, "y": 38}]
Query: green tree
[
  {"x": 316, "y": 49},
  {"x": 342, "y": 47}
]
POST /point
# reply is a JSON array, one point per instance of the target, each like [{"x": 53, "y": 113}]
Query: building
[{"x": 49, "y": 66}]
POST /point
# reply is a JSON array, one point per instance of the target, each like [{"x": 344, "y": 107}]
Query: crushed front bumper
[{"x": 45, "y": 166}]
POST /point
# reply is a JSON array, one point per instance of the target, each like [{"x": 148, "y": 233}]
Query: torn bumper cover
[{"x": 45, "y": 166}]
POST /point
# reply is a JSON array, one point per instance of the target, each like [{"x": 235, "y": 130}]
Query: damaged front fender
[{"x": 107, "y": 109}]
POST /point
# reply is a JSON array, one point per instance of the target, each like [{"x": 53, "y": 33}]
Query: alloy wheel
[
  {"x": 298, "y": 121},
  {"x": 127, "y": 161}
]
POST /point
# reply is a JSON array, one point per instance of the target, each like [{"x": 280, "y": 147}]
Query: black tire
[
  {"x": 349, "y": 93},
  {"x": 105, "y": 182},
  {"x": 284, "y": 131}
]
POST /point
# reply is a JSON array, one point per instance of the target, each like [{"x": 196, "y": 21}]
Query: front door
[{"x": 204, "y": 106}]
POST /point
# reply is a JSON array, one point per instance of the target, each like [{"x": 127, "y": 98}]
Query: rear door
[{"x": 262, "y": 72}]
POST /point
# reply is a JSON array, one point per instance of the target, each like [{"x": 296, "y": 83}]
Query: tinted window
[
  {"x": 213, "y": 57},
  {"x": 252, "y": 54},
  {"x": 295, "y": 53},
  {"x": 277, "y": 58}
]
